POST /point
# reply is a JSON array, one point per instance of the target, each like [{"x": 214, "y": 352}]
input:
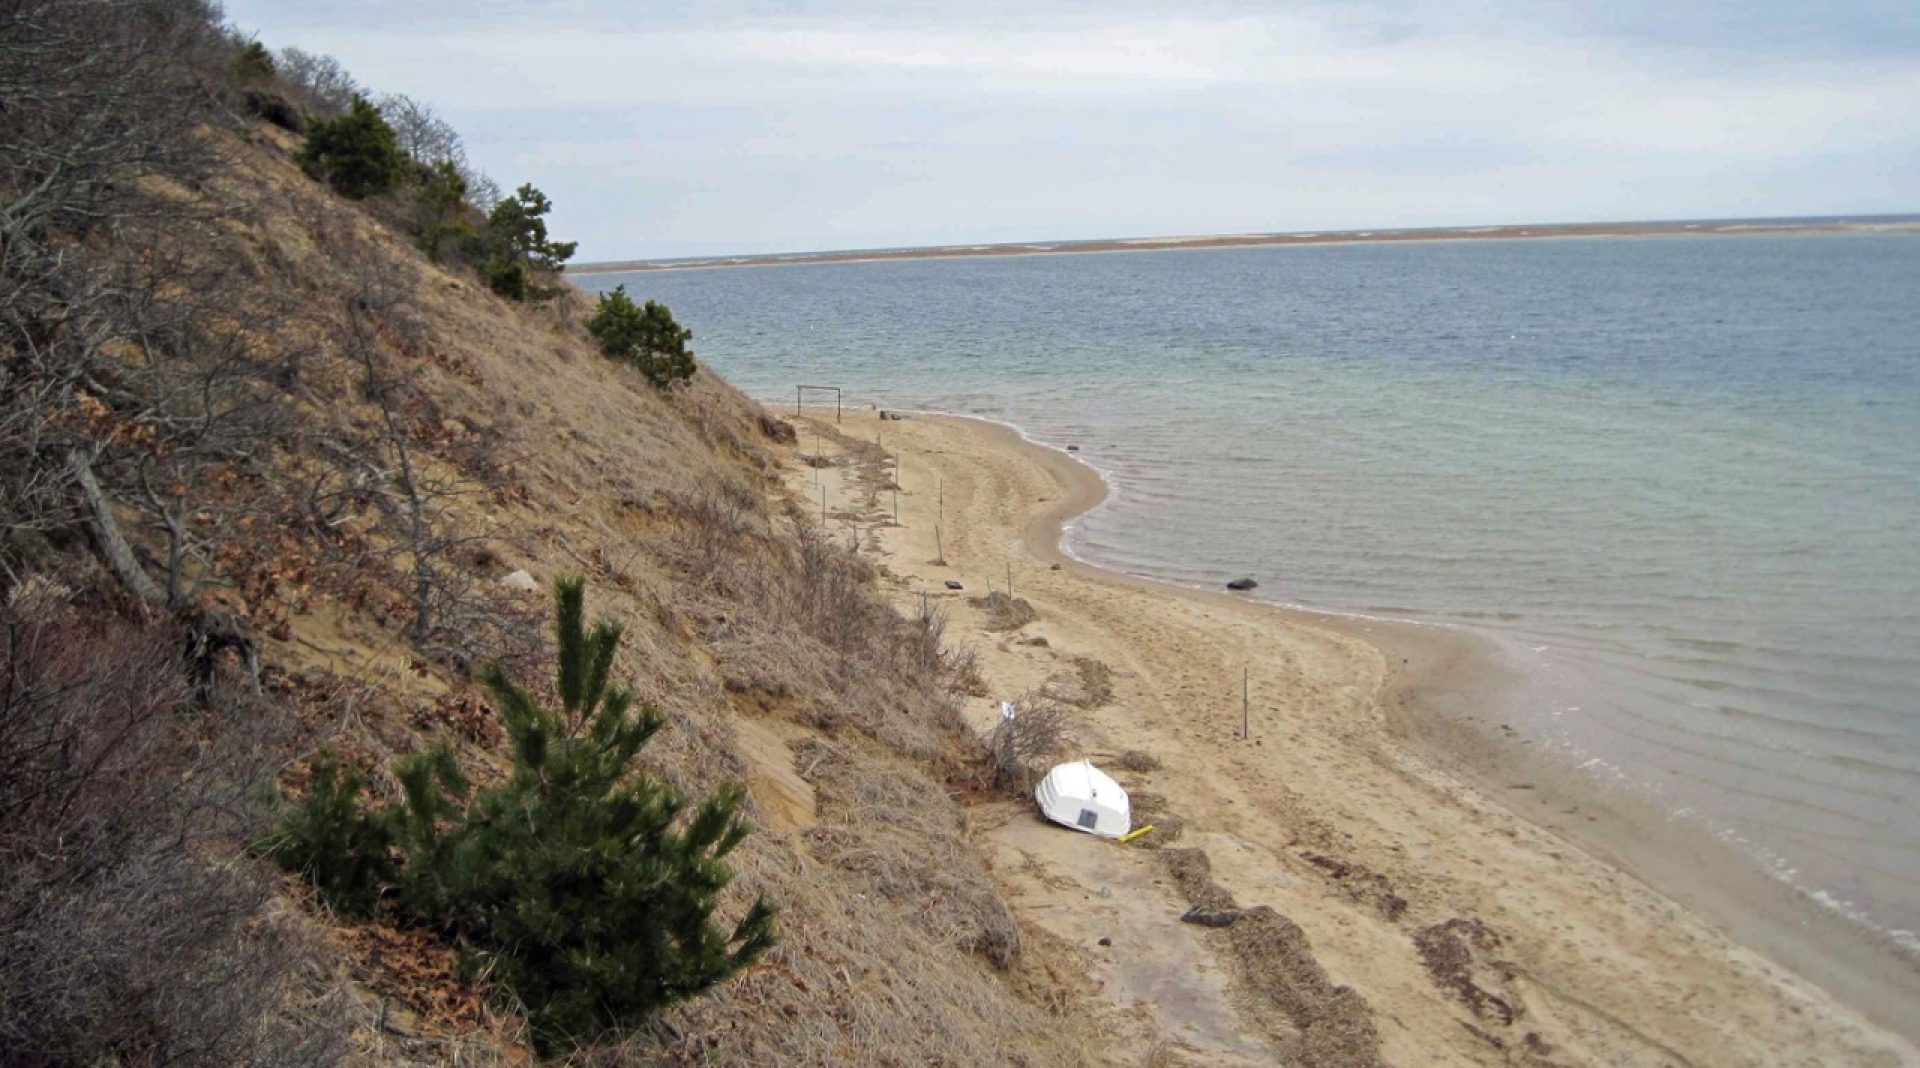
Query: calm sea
[{"x": 1677, "y": 479}]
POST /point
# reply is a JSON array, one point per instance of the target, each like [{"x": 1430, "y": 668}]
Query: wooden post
[
  {"x": 1246, "y": 719},
  {"x": 896, "y": 505},
  {"x": 823, "y": 507},
  {"x": 939, "y": 553},
  {"x": 1009, "y": 580}
]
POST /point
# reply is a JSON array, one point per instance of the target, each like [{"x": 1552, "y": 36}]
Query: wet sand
[{"x": 1377, "y": 803}]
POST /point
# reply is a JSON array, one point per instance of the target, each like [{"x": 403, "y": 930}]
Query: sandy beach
[{"x": 1486, "y": 910}]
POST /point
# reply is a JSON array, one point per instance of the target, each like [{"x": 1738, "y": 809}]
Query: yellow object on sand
[{"x": 1135, "y": 833}]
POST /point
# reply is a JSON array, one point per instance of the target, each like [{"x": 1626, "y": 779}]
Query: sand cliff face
[
  {"x": 1447, "y": 928},
  {"x": 766, "y": 643}
]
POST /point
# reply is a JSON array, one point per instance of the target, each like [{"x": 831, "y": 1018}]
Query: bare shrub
[
  {"x": 319, "y": 83},
  {"x": 960, "y": 667},
  {"x": 956, "y": 666},
  {"x": 1005, "y": 612},
  {"x": 130, "y": 932},
  {"x": 1040, "y": 730},
  {"x": 795, "y": 617},
  {"x": 715, "y": 520},
  {"x": 135, "y": 396},
  {"x": 423, "y": 135}
]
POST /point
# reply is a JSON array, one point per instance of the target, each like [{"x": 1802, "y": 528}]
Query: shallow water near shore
[{"x": 1676, "y": 480}]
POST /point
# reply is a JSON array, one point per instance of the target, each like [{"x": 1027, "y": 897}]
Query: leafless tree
[
  {"x": 420, "y": 132},
  {"x": 322, "y": 84},
  {"x": 135, "y": 393}
]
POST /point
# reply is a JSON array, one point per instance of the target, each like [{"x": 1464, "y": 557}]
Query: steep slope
[
  {"x": 764, "y": 641},
  {"x": 248, "y": 415}
]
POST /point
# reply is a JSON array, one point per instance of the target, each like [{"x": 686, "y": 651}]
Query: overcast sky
[{"x": 716, "y": 128}]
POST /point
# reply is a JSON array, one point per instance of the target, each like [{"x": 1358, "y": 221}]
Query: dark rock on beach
[
  {"x": 1242, "y": 584},
  {"x": 954, "y": 584}
]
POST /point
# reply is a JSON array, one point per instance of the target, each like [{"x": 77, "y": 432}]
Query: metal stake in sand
[
  {"x": 939, "y": 552},
  {"x": 823, "y": 506},
  {"x": 1009, "y": 580},
  {"x": 1246, "y": 704}
]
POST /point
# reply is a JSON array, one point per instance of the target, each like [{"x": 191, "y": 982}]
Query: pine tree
[
  {"x": 577, "y": 884},
  {"x": 356, "y": 153},
  {"x": 517, "y": 235},
  {"x": 254, "y": 65},
  {"x": 343, "y": 849},
  {"x": 443, "y": 208},
  {"x": 647, "y": 338}
]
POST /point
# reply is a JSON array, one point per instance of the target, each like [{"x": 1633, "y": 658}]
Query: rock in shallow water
[{"x": 1242, "y": 584}]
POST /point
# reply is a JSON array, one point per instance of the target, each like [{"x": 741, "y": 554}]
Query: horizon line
[{"x": 1901, "y": 221}]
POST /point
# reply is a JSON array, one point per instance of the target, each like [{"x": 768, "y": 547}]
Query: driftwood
[
  {"x": 209, "y": 631},
  {"x": 106, "y": 531}
]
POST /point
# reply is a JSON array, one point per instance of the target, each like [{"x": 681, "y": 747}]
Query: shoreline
[
  {"x": 1454, "y": 753},
  {"x": 1679, "y": 228},
  {"x": 1444, "y": 670}
]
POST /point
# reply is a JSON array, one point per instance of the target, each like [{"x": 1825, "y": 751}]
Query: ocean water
[{"x": 1676, "y": 479}]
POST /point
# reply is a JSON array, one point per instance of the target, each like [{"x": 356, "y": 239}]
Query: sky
[{"x": 699, "y": 129}]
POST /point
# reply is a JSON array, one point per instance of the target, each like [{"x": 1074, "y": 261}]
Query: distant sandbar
[{"x": 1856, "y": 224}]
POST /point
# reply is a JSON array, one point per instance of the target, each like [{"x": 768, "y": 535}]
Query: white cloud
[{"x": 861, "y": 128}]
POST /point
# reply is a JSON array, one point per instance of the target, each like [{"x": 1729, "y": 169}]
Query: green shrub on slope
[
  {"x": 576, "y": 883},
  {"x": 356, "y": 153},
  {"x": 648, "y": 338}
]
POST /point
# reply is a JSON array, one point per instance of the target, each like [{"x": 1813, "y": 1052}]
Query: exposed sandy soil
[{"x": 1475, "y": 936}]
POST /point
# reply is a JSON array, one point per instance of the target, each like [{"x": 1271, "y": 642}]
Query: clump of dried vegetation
[
  {"x": 1151, "y": 810},
  {"x": 1095, "y": 681},
  {"x": 261, "y": 436},
  {"x": 1320, "y": 1022},
  {"x": 1138, "y": 761},
  {"x": 1003, "y": 611}
]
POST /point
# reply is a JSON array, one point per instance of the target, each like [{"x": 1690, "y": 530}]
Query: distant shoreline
[{"x": 1719, "y": 227}]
